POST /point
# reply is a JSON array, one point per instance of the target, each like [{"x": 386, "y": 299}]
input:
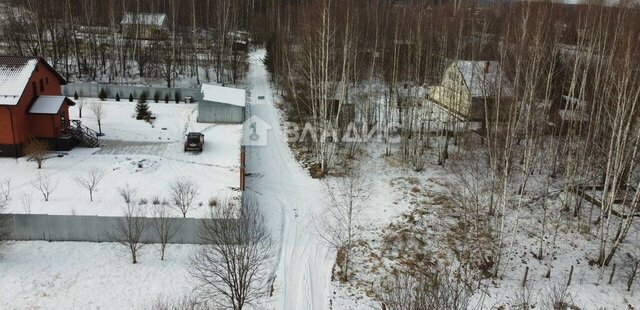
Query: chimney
[{"x": 486, "y": 67}]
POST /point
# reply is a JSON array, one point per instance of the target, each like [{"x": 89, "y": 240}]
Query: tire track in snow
[{"x": 289, "y": 198}]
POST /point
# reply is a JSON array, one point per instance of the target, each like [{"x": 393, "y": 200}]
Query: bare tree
[
  {"x": 98, "y": 111},
  {"x": 26, "y": 201},
  {"x": 558, "y": 297},
  {"x": 45, "y": 185},
  {"x": 183, "y": 192},
  {"x": 631, "y": 268},
  {"x": 339, "y": 226},
  {"x": 164, "y": 226},
  {"x": 5, "y": 190},
  {"x": 128, "y": 193},
  {"x": 4, "y": 202},
  {"x": 36, "y": 150},
  {"x": 90, "y": 180},
  {"x": 130, "y": 227},
  {"x": 80, "y": 104},
  {"x": 231, "y": 265},
  {"x": 403, "y": 291}
]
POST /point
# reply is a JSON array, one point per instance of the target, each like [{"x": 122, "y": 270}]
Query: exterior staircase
[{"x": 84, "y": 134}]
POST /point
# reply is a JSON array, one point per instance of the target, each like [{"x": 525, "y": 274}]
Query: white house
[{"x": 469, "y": 88}]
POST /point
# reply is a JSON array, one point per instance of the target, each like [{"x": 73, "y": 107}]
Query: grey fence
[
  {"x": 93, "y": 90},
  {"x": 92, "y": 228}
]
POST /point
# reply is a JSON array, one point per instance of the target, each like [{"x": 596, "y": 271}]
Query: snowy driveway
[{"x": 291, "y": 201}]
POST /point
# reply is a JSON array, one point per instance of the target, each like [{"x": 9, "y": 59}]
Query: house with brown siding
[{"x": 32, "y": 106}]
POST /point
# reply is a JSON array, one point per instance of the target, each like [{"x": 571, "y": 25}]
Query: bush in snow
[
  {"x": 102, "y": 95},
  {"x": 156, "y": 96},
  {"x": 117, "y": 97},
  {"x": 127, "y": 193},
  {"x": 36, "y": 150},
  {"x": 177, "y": 97},
  {"x": 75, "y": 95},
  {"x": 213, "y": 202},
  {"x": 130, "y": 97},
  {"x": 166, "y": 98},
  {"x": 142, "y": 110},
  {"x": 143, "y": 97}
]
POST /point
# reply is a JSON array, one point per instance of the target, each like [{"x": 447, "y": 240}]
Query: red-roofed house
[{"x": 32, "y": 106}]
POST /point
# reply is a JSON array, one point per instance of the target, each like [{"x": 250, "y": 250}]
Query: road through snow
[{"x": 291, "y": 200}]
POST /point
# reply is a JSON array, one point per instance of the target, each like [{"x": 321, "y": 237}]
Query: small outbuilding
[
  {"x": 146, "y": 26},
  {"x": 219, "y": 104}
]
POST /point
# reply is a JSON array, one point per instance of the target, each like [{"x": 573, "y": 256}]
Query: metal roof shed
[{"x": 220, "y": 104}]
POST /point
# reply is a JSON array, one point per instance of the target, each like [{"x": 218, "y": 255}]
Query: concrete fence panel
[
  {"x": 93, "y": 90},
  {"x": 94, "y": 228}
]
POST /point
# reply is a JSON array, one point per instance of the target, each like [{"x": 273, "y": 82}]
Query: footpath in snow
[{"x": 291, "y": 201}]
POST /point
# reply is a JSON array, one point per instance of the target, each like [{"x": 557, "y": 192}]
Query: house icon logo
[{"x": 254, "y": 132}]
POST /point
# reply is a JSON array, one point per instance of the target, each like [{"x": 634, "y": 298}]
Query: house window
[
  {"x": 63, "y": 120},
  {"x": 33, "y": 87},
  {"x": 41, "y": 85}
]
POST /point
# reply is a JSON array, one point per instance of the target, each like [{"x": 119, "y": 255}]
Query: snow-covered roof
[
  {"x": 151, "y": 19},
  {"x": 15, "y": 73},
  {"x": 483, "y": 78},
  {"x": 221, "y": 94},
  {"x": 573, "y": 115},
  {"x": 47, "y": 105}
]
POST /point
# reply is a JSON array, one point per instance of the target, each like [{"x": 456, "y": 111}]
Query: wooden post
[
  {"x": 526, "y": 273},
  {"x": 613, "y": 271},
  {"x": 570, "y": 276}
]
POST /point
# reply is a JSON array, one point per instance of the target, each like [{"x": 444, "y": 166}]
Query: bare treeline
[
  {"x": 84, "y": 40},
  {"x": 566, "y": 128}
]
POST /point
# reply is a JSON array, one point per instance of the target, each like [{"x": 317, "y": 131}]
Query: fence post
[
  {"x": 526, "y": 273},
  {"x": 570, "y": 275},
  {"x": 613, "y": 271}
]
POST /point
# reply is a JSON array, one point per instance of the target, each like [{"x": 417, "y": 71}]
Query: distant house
[
  {"x": 469, "y": 88},
  {"x": 570, "y": 117},
  {"x": 31, "y": 105},
  {"x": 240, "y": 40},
  {"x": 219, "y": 104},
  {"x": 147, "y": 26}
]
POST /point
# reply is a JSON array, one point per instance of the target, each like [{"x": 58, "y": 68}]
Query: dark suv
[{"x": 195, "y": 142}]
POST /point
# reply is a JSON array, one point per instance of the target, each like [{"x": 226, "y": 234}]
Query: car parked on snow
[{"x": 195, "y": 142}]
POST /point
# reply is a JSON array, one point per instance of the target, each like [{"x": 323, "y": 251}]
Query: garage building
[{"x": 220, "y": 104}]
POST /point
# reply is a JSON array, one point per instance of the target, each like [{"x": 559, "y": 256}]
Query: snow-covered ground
[
  {"x": 77, "y": 275},
  {"x": 148, "y": 157},
  {"x": 292, "y": 201},
  {"x": 39, "y": 275},
  {"x": 409, "y": 224}
]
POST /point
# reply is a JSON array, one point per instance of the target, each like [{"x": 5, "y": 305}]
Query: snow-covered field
[
  {"x": 408, "y": 223},
  {"x": 77, "y": 275},
  {"x": 147, "y": 157}
]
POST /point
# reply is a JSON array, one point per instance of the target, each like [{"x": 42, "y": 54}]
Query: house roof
[
  {"x": 48, "y": 104},
  {"x": 15, "y": 72},
  {"x": 221, "y": 94},
  {"x": 150, "y": 19},
  {"x": 14, "y": 76},
  {"x": 484, "y": 78}
]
